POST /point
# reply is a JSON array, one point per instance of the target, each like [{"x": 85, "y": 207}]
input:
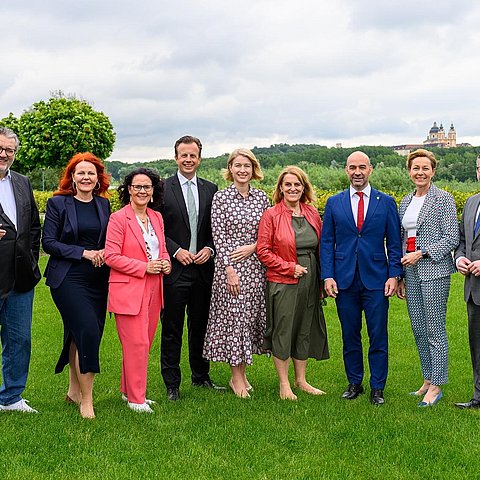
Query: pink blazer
[{"x": 126, "y": 255}]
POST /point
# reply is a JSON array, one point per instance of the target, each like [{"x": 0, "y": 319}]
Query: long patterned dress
[{"x": 236, "y": 325}]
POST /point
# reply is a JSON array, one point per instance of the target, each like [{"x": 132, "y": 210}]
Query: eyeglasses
[
  {"x": 9, "y": 152},
  {"x": 138, "y": 188}
]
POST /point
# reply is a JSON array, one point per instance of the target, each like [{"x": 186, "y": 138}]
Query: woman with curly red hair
[{"x": 74, "y": 235}]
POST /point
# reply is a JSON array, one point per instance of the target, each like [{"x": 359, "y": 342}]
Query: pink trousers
[{"x": 136, "y": 333}]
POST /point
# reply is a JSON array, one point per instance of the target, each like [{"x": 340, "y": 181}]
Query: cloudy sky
[{"x": 249, "y": 72}]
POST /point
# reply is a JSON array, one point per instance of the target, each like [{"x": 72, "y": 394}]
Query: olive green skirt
[{"x": 295, "y": 321}]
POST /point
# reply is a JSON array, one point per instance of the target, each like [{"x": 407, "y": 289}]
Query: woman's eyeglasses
[{"x": 138, "y": 188}]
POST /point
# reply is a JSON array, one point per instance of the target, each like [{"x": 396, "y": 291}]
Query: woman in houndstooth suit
[{"x": 429, "y": 234}]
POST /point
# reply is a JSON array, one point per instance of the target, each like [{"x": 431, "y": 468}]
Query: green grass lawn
[{"x": 211, "y": 435}]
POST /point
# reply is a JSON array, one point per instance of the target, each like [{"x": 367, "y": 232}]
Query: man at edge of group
[
  {"x": 188, "y": 235},
  {"x": 360, "y": 261},
  {"x": 467, "y": 259},
  {"x": 19, "y": 273}
]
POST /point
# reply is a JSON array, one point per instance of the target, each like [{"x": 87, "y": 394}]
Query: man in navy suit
[
  {"x": 360, "y": 262},
  {"x": 19, "y": 273},
  {"x": 188, "y": 235}
]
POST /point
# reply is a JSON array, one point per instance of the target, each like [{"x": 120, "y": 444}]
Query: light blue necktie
[{"x": 192, "y": 218}]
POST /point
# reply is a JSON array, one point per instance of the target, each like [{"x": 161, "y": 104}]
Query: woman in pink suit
[{"x": 136, "y": 253}]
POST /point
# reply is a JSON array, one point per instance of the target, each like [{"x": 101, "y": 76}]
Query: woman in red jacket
[{"x": 288, "y": 245}]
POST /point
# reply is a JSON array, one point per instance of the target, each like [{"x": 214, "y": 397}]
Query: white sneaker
[
  {"x": 140, "y": 407},
  {"x": 147, "y": 401},
  {"x": 20, "y": 406}
]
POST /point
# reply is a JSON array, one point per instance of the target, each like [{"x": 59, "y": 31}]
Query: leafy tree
[
  {"x": 325, "y": 167},
  {"x": 391, "y": 179},
  {"x": 113, "y": 168},
  {"x": 11, "y": 122},
  {"x": 52, "y": 132},
  {"x": 45, "y": 179}
]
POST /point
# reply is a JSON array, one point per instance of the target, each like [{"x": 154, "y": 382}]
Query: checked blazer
[{"x": 437, "y": 232}]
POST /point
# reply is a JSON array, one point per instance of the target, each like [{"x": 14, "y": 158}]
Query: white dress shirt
[
  {"x": 7, "y": 198},
  {"x": 354, "y": 199},
  {"x": 183, "y": 182}
]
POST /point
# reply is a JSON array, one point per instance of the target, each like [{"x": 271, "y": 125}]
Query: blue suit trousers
[{"x": 350, "y": 304}]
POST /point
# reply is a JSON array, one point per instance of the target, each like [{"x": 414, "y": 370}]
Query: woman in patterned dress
[
  {"x": 236, "y": 322},
  {"x": 429, "y": 234},
  {"x": 288, "y": 245}
]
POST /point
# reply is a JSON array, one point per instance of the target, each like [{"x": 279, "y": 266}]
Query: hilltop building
[{"x": 436, "y": 138}]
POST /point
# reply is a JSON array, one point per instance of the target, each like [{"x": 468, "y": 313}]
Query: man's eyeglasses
[
  {"x": 9, "y": 152},
  {"x": 138, "y": 188}
]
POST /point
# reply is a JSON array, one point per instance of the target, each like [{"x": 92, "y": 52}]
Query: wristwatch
[
  {"x": 399, "y": 277},
  {"x": 425, "y": 253}
]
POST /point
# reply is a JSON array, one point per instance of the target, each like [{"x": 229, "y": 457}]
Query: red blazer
[
  {"x": 276, "y": 247},
  {"x": 126, "y": 255}
]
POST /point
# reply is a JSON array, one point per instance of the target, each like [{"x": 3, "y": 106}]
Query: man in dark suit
[
  {"x": 188, "y": 234},
  {"x": 467, "y": 258},
  {"x": 19, "y": 273},
  {"x": 360, "y": 262}
]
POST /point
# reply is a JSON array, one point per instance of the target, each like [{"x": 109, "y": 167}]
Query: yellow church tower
[{"x": 452, "y": 136}]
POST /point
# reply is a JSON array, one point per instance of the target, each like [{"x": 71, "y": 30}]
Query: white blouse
[
  {"x": 409, "y": 221},
  {"x": 151, "y": 240}
]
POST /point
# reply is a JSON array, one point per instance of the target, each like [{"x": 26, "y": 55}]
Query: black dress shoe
[
  {"x": 376, "y": 397},
  {"x": 173, "y": 394},
  {"x": 208, "y": 384},
  {"x": 471, "y": 404},
  {"x": 352, "y": 391}
]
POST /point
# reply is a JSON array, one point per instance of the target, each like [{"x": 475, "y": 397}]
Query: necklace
[
  {"x": 82, "y": 199},
  {"x": 296, "y": 209},
  {"x": 144, "y": 223}
]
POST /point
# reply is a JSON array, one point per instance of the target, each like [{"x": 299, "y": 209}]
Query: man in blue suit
[{"x": 360, "y": 261}]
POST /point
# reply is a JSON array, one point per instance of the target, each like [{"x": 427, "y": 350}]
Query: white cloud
[{"x": 250, "y": 73}]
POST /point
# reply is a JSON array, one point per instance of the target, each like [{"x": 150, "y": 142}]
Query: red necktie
[{"x": 360, "y": 211}]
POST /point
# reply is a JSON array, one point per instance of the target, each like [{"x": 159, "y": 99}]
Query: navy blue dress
[{"x": 81, "y": 298}]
